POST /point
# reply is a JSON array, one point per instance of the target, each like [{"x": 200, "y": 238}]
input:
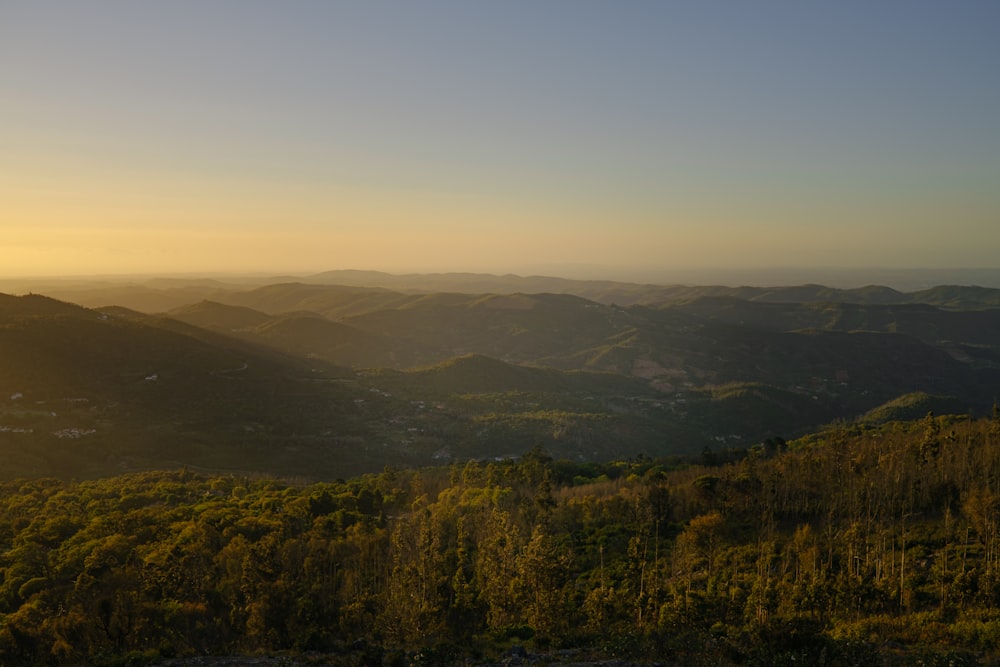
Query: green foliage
[{"x": 857, "y": 548}]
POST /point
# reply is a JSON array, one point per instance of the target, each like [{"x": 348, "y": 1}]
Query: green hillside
[
  {"x": 913, "y": 406},
  {"x": 855, "y": 546}
]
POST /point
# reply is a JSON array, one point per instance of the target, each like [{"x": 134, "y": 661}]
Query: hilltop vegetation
[
  {"x": 564, "y": 514},
  {"x": 851, "y": 547}
]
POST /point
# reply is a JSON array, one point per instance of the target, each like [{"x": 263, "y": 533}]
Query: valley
[
  {"x": 349, "y": 474},
  {"x": 327, "y": 381}
]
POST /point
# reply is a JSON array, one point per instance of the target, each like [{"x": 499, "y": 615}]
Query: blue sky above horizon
[{"x": 305, "y": 136}]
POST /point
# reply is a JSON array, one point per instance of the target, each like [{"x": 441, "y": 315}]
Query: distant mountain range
[
  {"x": 332, "y": 380},
  {"x": 163, "y": 294}
]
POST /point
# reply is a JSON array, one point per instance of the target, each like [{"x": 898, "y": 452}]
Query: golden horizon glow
[{"x": 135, "y": 140}]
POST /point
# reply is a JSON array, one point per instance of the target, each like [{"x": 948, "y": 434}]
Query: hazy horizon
[
  {"x": 903, "y": 280},
  {"x": 580, "y": 139}
]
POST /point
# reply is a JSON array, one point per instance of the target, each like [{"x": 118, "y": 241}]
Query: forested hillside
[
  {"x": 334, "y": 381},
  {"x": 859, "y": 545}
]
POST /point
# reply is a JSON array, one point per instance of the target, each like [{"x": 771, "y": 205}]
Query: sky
[{"x": 555, "y": 136}]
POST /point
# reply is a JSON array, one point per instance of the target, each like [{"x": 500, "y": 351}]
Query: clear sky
[{"x": 305, "y": 135}]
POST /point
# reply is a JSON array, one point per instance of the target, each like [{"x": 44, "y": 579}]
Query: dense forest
[{"x": 863, "y": 544}]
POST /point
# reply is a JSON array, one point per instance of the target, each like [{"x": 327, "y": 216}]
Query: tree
[
  {"x": 496, "y": 568},
  {"x": 539, "y": 585},
  {"x": 415, "y": 606}
]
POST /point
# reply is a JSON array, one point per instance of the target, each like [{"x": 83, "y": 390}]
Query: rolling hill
[
  {"x": 303, "y": 334},
  {"x": 159, "y": 295},
  {"x": 849, "y": 357},
  {"x": 857, "y": 355},
  {"x": 85, "y": 392},
  {"x": 326, "y": 380}
]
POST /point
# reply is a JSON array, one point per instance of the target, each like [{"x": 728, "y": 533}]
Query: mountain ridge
[
  {"x": 158, "y": 295},
  {"x": 334, "y": 380}
]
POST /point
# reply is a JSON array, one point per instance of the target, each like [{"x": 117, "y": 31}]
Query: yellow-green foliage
[{"x": 863, "y": 546}]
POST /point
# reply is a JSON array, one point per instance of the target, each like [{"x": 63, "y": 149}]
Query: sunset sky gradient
[{"x": 242, "y": 135}]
